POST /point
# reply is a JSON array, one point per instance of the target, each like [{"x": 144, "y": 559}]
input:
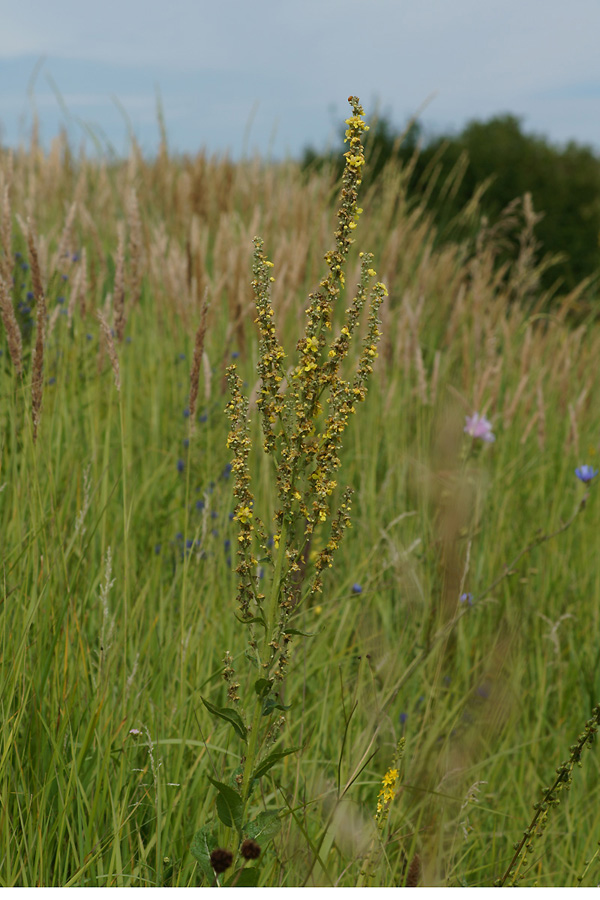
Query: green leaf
[
  {"x": 272, "y": 703},
  {"x": 262, "y": 686},
  {"x": 243, "y": 878},
  {"x": 270, "y": 760},
  {"x": 203, "y": 844},
  {"x": 231, "y": 716},
  {"x": 230, "y": 807},
  {"x": 266, "y": 825}
]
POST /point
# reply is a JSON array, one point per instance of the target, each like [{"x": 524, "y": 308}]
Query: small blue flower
[
  {"x": 466, "y": 598},
  {"x": 403, "y": 717},
  {"x": 52, "y": 380},
  {"x": 586, "y": 473},
  {"x": 199, "y": 505},
  {"x": 180, "y": 465},
  {"x": 356, "y": 589},
  {"x": 65, "y": 277},
  {"x": 157, "y": 548},
  {"x": 60, "y": 300},
  {"x": 128, "y": 340},
  {"x": 89, "y": 337},
  {"x": 186, "y": 413},
  {"x": 179, "y": 536},
  {"x": 30, "y": 295},
  {"x": 182, "y": 356},
  {"x": 203, "y": 417},
  {"x": 235, "y": 354}
]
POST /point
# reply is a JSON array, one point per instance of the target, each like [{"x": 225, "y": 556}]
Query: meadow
[{"x": 451, "y": 660}]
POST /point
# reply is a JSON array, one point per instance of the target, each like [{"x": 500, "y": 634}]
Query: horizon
[{"x": 273, "y": 79}]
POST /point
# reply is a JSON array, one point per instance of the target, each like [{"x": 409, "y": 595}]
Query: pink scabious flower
[{"x": 479, "y": 427}]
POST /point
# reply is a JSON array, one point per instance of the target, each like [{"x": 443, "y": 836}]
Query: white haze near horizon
[{"x": 272, "y": 76}]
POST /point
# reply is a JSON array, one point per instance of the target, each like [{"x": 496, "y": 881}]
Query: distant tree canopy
[{"x": 564, "y": 183}]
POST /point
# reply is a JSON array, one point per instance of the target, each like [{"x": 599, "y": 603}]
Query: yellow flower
[
  {"x": 244, "y": 515},
  {"x": 312, "y": 345},
  {"x": 355, "y": 161},
  {"x": 371, "y": 272}
]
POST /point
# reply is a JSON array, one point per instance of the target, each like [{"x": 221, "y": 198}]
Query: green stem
[{"x": 253, "y": 745}]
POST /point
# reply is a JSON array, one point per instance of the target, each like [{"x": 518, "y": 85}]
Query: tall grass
[{"x": 117, "y": 567}]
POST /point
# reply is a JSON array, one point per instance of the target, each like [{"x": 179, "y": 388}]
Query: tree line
[{"x": 446, "y": 171}]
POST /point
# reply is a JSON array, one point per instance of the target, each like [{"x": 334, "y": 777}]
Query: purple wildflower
[
  {"x": 479, "y": 427},
  {"x": 586, "y": 473},
  {"x": 466, "y": 598}
]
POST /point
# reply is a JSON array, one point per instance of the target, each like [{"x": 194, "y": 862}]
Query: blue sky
[{"x": 273, "y": 75}]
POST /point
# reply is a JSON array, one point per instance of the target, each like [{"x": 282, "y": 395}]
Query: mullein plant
[{"x": 304, "y": 412}]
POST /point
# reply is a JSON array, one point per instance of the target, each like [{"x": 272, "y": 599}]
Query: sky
[{"x": 272, "y": 76}]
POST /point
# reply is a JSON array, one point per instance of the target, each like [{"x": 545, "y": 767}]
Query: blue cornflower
[
  {"x": 466, "y": 598},
  {"x": 403, "y": 717},
  {"x": 356, "y": 589},
  {"x": 586, "y": 473},
  {"x": 180, "y": 465}
]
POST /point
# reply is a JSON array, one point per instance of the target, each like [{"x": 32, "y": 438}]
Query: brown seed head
[
  {"x": 250, "y": 849},
  {"x": 221, "y": 859}
]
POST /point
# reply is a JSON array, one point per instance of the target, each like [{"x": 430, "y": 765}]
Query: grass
[{"x": 112, "y": 624}]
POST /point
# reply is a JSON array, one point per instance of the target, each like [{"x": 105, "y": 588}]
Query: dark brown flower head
[
  {"x": 221, "y": 859},
  {"x": 250, "y": 849}
]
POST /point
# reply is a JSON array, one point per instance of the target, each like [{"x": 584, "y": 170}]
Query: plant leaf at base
[{"x": 203, "y": 844}]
